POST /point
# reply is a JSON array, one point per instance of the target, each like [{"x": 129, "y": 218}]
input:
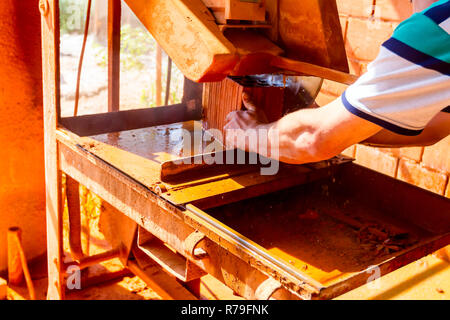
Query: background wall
[
  {"x": 21, "y": 127},
  {"x": 366, "y": 24}
]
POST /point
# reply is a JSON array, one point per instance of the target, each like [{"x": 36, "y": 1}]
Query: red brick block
[
  {"x": 355, "y": 8},
  {"x": 374, "y": 159},
  {"x": 364, "y": 37},
  {"x": 349, "y": 152},
  {"x": 437, "y": 156},
  {"x": 357, "y": 67},
  {"x": 413, "y": 153},
  {"x": 417, "y": 174},
  {"x": 334, "y": 88},
  {"x": 397, "y": 10}
]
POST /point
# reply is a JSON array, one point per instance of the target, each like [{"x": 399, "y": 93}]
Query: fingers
[
  {"x": 252, "y": 108},
  {"x": 248, "y": 102}
]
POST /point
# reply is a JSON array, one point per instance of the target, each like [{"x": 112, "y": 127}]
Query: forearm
[
  {"x": 308, "y": 135},
  {"x": 312, "y": 135},
  {"x": 297, "y": 136}
]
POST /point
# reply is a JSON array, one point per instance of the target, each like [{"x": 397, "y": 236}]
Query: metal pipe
[
  {"x": 93, "y": 260},
  {"x": 114, "y": 19},
  {"x": 80, "y": 62},
  {"x": 158, "y": 75},
  {"x": 17, "y": 262},
  {"x": 74, "y": 212},
  {"x": 169, "y": 80},
  {"x": 15, "y": 272}
]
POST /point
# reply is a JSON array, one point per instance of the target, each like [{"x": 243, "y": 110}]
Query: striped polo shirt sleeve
[{"x": 409, "y": 82}]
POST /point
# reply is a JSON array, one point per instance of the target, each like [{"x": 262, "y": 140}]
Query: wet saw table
[{"x": 310, "y": 232}]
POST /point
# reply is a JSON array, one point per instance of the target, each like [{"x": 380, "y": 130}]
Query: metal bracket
[
  {"x": 267, "y": 289},
  {"x": 191, "y": 243}
]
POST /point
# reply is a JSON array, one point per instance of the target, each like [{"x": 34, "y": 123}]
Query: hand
[
  {"x": 250, "y": 119},
  {"x": 246, "y": 119}
]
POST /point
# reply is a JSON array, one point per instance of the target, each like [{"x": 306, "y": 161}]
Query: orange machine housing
[{"x": 205, "y": 49}]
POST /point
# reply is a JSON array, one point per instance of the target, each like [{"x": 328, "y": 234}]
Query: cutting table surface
[{"x": 140, "y": 154}]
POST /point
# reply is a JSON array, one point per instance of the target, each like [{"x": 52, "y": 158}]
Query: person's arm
[
  {"x": 317, "y": 134},
  {"x": 403, "y": 91},
  {"x": 419, "y": 5},
  {"x": 437, "y": 129},
  {"x": 307, "y": 135}
]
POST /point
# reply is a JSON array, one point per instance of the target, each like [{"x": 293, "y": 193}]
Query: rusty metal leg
[
  {"x": 15, "y": 271},
  {"x": 50, "y": 67},
  {"x": 56, "y": 288},
  {"x": 118, "y": 230},
  {"x": 17, "y": 262},
  {"x": 74, "y": 212},
  {"x": 85, "y": 220},
  {"x": 114, "y": 19}
]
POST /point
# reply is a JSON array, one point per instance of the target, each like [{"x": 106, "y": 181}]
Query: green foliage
[
  {"x": 146, "y": 99},
  {"x": 135, "y": 44},
  {"x": 72, "y": 15}
]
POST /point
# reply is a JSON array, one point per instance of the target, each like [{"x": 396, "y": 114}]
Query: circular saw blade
[{"x": 301, "y": 91}]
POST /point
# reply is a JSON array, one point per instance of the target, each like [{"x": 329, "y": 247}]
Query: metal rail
[{"x": 261, "y": 253}]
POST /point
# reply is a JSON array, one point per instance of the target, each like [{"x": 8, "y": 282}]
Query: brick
[
  {"x": 335, "y": 88},
  {"x": 437, "y": 156},
  {"x": 377, "y": 160},
  {"x": 357, "y": 67},
  {"x": 364, "y": 37},
  {"x": 349, "y": 152},
  {"x": 413, "y": 153},
  {"x": 419, "y": 175},
  {"x": 397, "y": 10},
  {"x": 325, "y": 98},
  {"x": 358, "y": 8}
]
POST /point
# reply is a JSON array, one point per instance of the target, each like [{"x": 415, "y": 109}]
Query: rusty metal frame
[
  {"x": 248, "y": 265},
  {"x": 84, "y": 125},
  {"x": 241, "y": 264},
  {"x": 167, "y": 222}
]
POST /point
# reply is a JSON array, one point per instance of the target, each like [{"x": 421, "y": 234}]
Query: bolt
[
  {"x": 159, "y": 189},
  {"x": 43, "y": 7}
]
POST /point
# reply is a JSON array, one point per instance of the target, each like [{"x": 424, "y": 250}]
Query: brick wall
[{"x": 365, "y": 25}]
